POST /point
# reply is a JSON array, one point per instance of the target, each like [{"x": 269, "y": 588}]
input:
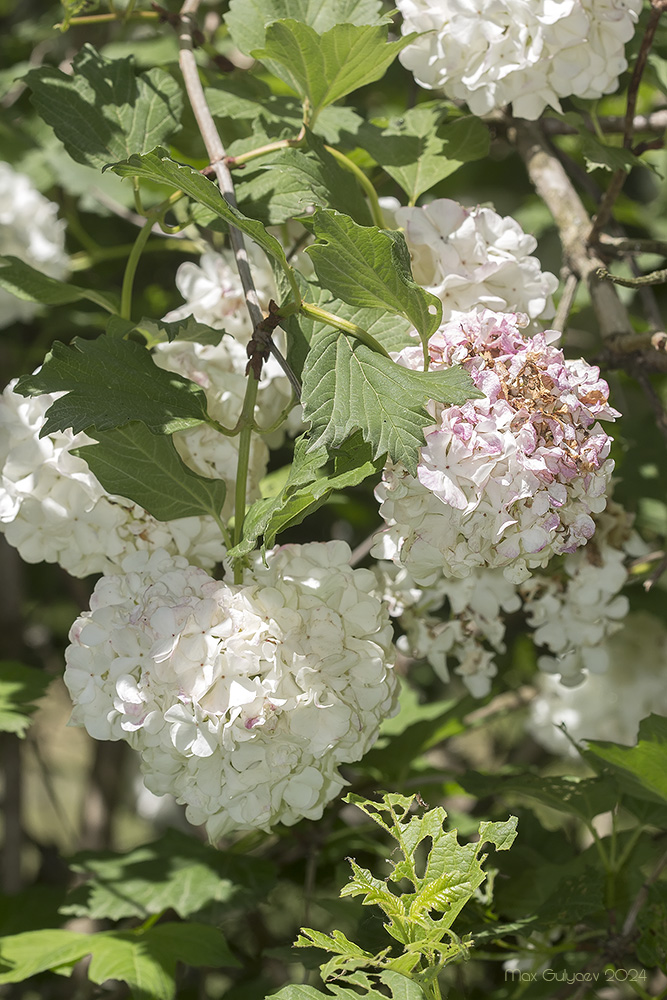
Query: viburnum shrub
[{"x": 332, "y": 457}]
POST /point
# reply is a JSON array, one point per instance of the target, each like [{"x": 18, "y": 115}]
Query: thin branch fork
[
  {"x": 618, "y": 180},
  {"x": 655, "y": 122}
]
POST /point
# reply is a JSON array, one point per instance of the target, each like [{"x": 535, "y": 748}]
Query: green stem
[
  {"x": 364, "y": 181},
  {"x": 223, "y": 530},
  {"x": 629, "y": 848},
  {"x": 600, "y": 848},
  {"x": 270, "y": 147},
  {"x": 83, "y": 261},
  {"x": 147, "y": 15},
  {"x": 131, "y": 267},
  {"x": 247, "y": 422},
  {"x": 434, "y": 991},
  {"x": 155, "y": 215},
  {"x": 310, "y": 309}
]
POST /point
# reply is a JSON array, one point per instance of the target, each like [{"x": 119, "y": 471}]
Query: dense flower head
[
  {"x": 607, "y": 706},
  {"x": 242, "y": 699},
  {"x": 53, "y": 509},
  {"x": 474, "y": 258},
  {"x": 526, "y": 52},
  {"x": 30, "y": 230},
  {"x": 453, "y": 622},
  {"x": 507, "y": 480},
  {"x": 574, "y": 610}
]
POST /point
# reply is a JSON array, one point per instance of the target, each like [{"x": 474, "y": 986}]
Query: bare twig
[
  {"x": 654, "y": 278},
  {"x": 641, "y": 897},
  {"x": 654, "y": 122},
  {"x": 631, "y": 244},
  {"x": 215, "y": 149},
  {"x": 363, "y": 549},
  {"x": 566, "y": 302},
  {"x": 555, "y": 188},
  {"x": 655, "y": 574}
]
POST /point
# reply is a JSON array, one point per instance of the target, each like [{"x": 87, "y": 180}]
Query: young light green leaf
[
  {"x": 132, "y": 462},
  {"x": 418, "y": 152},
  {"x": 307, "y": 487},
  {"x": 103, "y": 112},
  {"x": 175, "y": 872},
  {"x": 20, "y": 687},
  {"x": 294, "y": 181},
  {"x": 400, "y": 988},
  {"x": 31, "y": 285},
  {"x": 370, "y": 267},
  {"x": 109, "y": 382},
  {"x": 157, "y": 166},
  {"x": 247, "y": 19},
  {"x": 322, "y": 68},
  {"x": 348, "y": 387},
  {"x": 452, "y": 871},
  {"x": 640, "y": 770}
]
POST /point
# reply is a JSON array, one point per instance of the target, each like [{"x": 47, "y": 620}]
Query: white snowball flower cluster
[
  {"x": 607, "y": 706},
  {"x": 30, "y": 230},
  {"x": 573, "y": 612},
  {"x": 507, "y": 480},
  {"x": 214, "y": 295},
  {"x": 526, "y": 52},
  {"x": 474, "y": 258},
  {"x": 53, "y": 509},
  {"x": 242, "y": 699},
  {"x": 217, "y": 370},
  {"x": 457, "y": 621}
]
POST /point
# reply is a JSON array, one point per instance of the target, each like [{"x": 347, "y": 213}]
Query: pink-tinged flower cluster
[{"x": 507, "y": 480}]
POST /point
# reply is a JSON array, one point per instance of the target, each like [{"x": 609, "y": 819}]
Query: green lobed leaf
[
  {"x": 20, "y": 687},
  {"x": 418, "y": 152},
  {"x": 31, "y": 285},
  {"x": 145, "y": 960},
  {"x": 175, "y": 872},
  {"x": 582, "y": 797},
  {"x": 370, "y": 267},
  {"x": 323, "y": 67},
  {"x": 349, "y": 387},
  {"x": 598, "y": 154},
  {"x": 640, "y": 770},
  {"x": 294, "y": 181},
  {"x": 158, "y": 166},
  {"x": 247, "y": 19},
  {"x": 157, "y": 331},
  {"x": 132, "y": 462},
  {"x": 249, "y": 100},
  {"x": 414, "y": 730},
  {"x": 307, "y": 487},
  {"x": 103, "y": 112},
  {"x": 109, "y": 382}
]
